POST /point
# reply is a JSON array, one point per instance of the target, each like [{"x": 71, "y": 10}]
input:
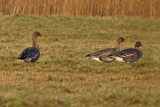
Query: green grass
[{"x": 64, "y": 77}]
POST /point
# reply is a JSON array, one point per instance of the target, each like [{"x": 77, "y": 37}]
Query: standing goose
[
  {"x": 99, "y": 56},
  {"x": 129, "y": 55},
  {"x": 31, "y": 54}
]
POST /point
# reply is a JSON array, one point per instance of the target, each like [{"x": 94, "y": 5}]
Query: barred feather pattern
[
  {"x": 129, "y": 55},
  {"x": 102, "y": 55},
  {"x": 30, "y": 54},
  {"x": 101, "y": 52}
]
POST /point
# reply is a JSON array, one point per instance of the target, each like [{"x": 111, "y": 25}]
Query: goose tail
[{"x": 88, "y": 55}]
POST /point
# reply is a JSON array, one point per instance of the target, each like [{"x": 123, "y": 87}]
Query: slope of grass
[{"x": 64, "y": 77}]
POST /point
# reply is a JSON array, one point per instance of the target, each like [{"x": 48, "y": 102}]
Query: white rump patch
[
  {"x": 109, "y": 59},
  {"x": 97, "y": 59},
  {"x": 28, "y": 59},
  {"x": 119, "y": 59}
]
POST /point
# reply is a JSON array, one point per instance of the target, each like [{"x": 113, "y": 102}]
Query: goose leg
[
  {"x": 34, "y": 64},
  {"x": 128, "y": 64},
  {"x": 25, "y": 64}
]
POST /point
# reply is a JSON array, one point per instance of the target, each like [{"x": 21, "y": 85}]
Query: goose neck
[
  {"x": 117, "y": 47},
  {"x": 35, "y": 44},
  {"x": 136, "y": 48}
]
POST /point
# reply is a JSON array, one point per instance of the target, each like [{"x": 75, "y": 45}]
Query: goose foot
[
  {"x": 25, "y": 64},
  {"x": 34, "y": 64},
  {"x": 128, "y": 64}
]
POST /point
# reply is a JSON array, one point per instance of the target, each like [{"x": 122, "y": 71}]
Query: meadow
[{"x": 64, "y": 77}]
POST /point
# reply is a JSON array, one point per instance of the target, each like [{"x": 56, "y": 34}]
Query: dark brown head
[
  {"x": 138, "y": 44},
  {"x": 121, "y": 39},
  {"x": 36, "y": 34},
  {"x": 34, "y": 39}
]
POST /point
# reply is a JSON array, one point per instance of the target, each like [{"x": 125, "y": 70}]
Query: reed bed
[{"x": 145, "y": 8}]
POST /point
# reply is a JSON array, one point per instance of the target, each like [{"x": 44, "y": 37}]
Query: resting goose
[
  {"x": 129, "y": 55},
  {"x": 31, "y": 54},
  {"x": 99, "y": 56}
]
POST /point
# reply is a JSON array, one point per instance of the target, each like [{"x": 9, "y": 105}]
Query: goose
[
  {"x": 129, "y": 55},
  {"x": 31, "y": 54},
  {"x": 99, "y": 55}
]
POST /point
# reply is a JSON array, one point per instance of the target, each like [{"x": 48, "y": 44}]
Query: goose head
[
  {"x": 121, "y": 39},
  {"x": 138, "y": 44},
  {"x": 34, "y": 36}
]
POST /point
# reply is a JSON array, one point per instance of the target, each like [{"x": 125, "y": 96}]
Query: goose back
[
  {"x": 103, "y": 55},
  {"x": 127, "y": 55},
  {"x": 106, "y": 51},
  {"x": 30, "y": 54}
]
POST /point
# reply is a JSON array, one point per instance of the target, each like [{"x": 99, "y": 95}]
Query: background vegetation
[
  {"x": 145, "y": 8},
  {"x": 64, "y": 77}
]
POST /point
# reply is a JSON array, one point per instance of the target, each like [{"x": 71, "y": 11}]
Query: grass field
[{"x": 64, "y": 77}]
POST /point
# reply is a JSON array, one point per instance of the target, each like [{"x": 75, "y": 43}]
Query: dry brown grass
[
  {"x": 145, "y": 8},
  {"x": 63, "y": 77}
]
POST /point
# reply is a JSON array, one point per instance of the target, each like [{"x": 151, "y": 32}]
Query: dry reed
[{"x": 145, "y": 8}]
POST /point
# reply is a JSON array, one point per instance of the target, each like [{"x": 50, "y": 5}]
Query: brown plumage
[
  {"x": 129, "y": 55},
  {"x": 99, "y": 56},
  {"x": 31, "y": 54}
]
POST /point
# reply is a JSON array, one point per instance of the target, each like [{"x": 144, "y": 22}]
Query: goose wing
[
  {"x": 30, "y": 54},
  {"x": 106, "y": 52},
  {"x": 127, "y": 55},
  {"x": 124, "y": 53},
  {"x": 106, "y": 57}
]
